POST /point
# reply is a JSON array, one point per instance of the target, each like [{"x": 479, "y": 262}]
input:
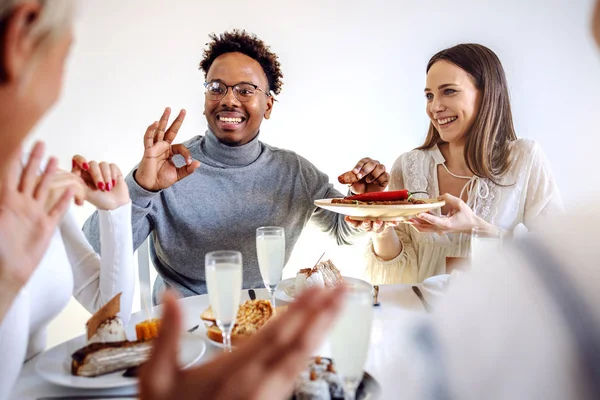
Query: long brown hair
[{"x": 487, "y": 151}]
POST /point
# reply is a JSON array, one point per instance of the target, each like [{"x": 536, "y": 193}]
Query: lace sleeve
[
  {"x": 396, "y": 178},
  {"x": 402, "y": 269},
  {"x": 542, "y": 199}
]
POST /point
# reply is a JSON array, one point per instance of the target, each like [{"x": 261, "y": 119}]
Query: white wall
[{"x": 353, "y": 85}]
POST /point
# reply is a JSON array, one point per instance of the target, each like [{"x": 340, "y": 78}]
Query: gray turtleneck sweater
[{"x": 234, "y": 191}]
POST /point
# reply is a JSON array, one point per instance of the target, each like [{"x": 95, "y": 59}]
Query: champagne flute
[
  {"x": 224, "y": 281},
  {"x": 351, "y": 335},
  {"x": 270, "y": 249}
]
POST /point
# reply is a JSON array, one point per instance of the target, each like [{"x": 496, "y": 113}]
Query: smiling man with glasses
[{"x": 234, "y": 182}]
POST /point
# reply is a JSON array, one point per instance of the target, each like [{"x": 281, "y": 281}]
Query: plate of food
[
  {"x": 105, "y": 357},
  {"x": 321, "y": 381},
  {"x": 252, "y": 316},
  {"x": 323, "y": 274},
  {"x": 397, "y": 205}
]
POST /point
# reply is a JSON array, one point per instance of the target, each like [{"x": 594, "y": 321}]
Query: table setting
[
  {"x": 355, "y": 362},
  {"x": 398, "y": 307}
]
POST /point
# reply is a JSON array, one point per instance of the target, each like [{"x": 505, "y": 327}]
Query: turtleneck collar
[{"x": 231, "y": 156}]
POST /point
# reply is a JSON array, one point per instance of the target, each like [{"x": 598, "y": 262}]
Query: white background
[{"x": 353, "y": 83}]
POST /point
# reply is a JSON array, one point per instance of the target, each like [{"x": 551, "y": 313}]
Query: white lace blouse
[{"x": 526, "y": 194}]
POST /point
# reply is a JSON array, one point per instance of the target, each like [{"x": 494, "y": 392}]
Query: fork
[{"x": 420, "y": 296}]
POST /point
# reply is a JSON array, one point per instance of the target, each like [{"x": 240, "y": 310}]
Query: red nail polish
[
  {"x": 101, "y": 185},
  {"x": 108, "y": 186},
  {"x": 85, "y": 166},
  {"x": 114, "y": 183},
  {"x": 73, "y": 164}
]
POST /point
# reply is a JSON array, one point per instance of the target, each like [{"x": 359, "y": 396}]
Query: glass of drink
[
  {"x": 270, "y": 250},
  {"x": 351, "y": 335},
  {"x": 484, "y": 241},
  {"x": 224, "y": 281}
]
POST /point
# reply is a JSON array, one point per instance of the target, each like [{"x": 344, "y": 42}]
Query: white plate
[
  {"x": 437, "y": 281},
  {"x": 397, "y": 212},
  {"x": 286, "y": 290},
  {"x": 54, "y": 364}
]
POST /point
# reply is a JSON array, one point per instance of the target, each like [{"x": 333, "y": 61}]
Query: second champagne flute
[
  {"x": 270, "y": 250},
  {"x": 224, "y": 282},
  {"x": 484, "y": 243},
  {"x": 351, "y": 335}
]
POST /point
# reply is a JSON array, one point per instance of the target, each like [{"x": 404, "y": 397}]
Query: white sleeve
[
  {"x": 14, "y": 334},
  {"x": 97, "y": 279},
  {"x": 542, "y": 198},
  {"x": 403, "y": 268}
]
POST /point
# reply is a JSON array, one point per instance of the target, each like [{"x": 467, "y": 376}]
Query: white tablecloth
[{"x": 399, "y": 306}]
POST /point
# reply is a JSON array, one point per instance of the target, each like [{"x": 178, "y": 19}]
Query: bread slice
[
  {"x": 251, "y": 317},
  {"x": 215, "y": 334},
  {"x": 208, "y": 316}
]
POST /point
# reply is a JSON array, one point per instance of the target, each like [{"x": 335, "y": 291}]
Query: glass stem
[
  {"x": 349, "y": 395},
  {"x": 350, "y": 386},
  {"x": 227, "y": 340}
]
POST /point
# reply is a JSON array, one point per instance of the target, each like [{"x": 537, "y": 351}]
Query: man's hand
[
  {"x": 367, "y": 176},
  {"x": 157, "y": 170}
]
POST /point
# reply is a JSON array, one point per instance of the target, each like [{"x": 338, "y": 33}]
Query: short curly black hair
[{"x": 249, "y": 44}]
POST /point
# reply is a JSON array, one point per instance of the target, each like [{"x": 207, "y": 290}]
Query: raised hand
[
  {"x": 264, "y": 366},
  {"x": 26, "y": 223},
  {"x": 367, "y": 176},
  {"x": 105, "y": 185},
  {"x": 157, "y": 170}
]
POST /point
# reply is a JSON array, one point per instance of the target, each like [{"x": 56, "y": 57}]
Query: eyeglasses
[{"x": 243, "y": 91}]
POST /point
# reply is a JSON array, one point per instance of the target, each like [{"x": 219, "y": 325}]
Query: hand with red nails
[
  {"x": 104, "y": 183},
  {"x": 367, "y": 176},
  {"x": 26, "y": 225},
  {"x": 264, "y": 366},
  {"x": 157, "y": 171}
]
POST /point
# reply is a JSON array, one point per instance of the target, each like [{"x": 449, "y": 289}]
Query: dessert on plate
[
  {"x": 107, "y": 349},
  {"x": 105, "y": 326},
  {"x": 319, "y": 382},
  {"x": 324, "y": 274},
  {"x": 148, "y": 329}
]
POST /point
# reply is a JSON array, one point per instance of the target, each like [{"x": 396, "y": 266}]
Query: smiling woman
[
  {"x": 469, "y": 93},
  {"x": 489, "y": 179}
]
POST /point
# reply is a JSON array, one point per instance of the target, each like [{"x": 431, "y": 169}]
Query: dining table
[{"x": 398, "y": 309}]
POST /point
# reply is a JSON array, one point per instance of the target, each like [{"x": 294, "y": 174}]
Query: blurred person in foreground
[{"x": 44, "y": 257}]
